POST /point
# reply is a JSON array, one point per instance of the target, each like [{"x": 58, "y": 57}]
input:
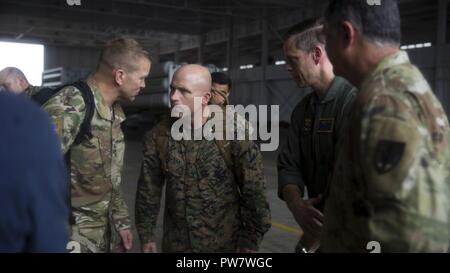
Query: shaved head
[
  {"x": 198, "y": 76},
  {"x": 189, "y": 82},
  {"x": 13, "y": 80},
  {"x": 11, "y": 72}
]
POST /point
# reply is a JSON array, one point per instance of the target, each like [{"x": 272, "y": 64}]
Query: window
[{"x": 27, "y": 57}]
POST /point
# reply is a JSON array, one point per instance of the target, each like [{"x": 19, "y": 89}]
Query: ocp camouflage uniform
[
  {"x": 96, "y": 166},
  {"x": 32, "y": 90},
  {"x": 391, "y": 182},
  {"x": 207, "y": 208}
]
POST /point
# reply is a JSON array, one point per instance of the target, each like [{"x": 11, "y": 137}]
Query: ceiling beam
[{"x": 25, "y": 8}]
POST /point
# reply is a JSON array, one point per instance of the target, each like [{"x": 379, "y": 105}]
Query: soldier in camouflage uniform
[
  {"x": 390, "y": 188},
  {"x": 307, "y": 158},
  {"x": 12, "y": 79},
  {"x": 209, "y": 206},
  {"x": 96, "y": 164}
]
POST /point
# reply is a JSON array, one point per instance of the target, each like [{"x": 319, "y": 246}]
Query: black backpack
[{"x": 46, "y": 93}]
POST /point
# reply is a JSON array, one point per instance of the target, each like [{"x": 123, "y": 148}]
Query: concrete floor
[{"x": 281, "y": 238}]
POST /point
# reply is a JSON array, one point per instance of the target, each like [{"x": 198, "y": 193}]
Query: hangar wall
[{"x": 275, "y": 86}]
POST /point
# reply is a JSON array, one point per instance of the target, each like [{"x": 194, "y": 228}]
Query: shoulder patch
[{"x": 387, "y": 155}]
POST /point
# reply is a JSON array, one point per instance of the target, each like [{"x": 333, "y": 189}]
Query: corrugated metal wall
[{"x": 279, "y": 88}]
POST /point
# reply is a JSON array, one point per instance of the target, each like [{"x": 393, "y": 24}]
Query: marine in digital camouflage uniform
[
  {"x": 209, "y": 207},
  {"x": 390, "y": 188},
  {"x": 96, "y": 166}
]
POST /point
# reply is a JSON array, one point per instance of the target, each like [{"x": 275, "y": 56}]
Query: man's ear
[
  {"x": 349, "y": 33},
  {"x": 317, "y": 54},
  {"x": 119, "y": 76},
  {"x": 206, "y": 98},
  {"x": 23, "y": 83}
]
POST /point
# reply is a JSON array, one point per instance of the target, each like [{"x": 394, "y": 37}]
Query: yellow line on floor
[{"x": 289, "y": 229}]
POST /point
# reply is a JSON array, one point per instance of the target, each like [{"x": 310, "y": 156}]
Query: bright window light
[
  {"x": 280, "y": 62},
  {"x": 246, "y": 66},
  {"x": 27, "y": 57},
  {"x": 405, "y": 47}
]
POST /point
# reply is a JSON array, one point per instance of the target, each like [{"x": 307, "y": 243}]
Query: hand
[
  {"x": 307, "y": 216},
  {"x": 245, "y": 250},
  {"x": 126, "y": 240},
  {"x": 149, "y": 247}
]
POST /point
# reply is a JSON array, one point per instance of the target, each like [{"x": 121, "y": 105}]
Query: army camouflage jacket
[
  {"x": 391, "y": 182},
  {"x": 308, "y": 156},
  {"x": 208, "y": 208},
  {"x": 31, "y": 90},
  {"x": 96, "y": 164}
]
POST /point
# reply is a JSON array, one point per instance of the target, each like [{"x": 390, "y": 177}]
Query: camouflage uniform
[
  {"x": 31, "y": 90},
  {"x": 391, "y": 182},
  {"x": 307, "y": 158},
  {"x": 207, "y": 208},
  {"x": 96, "y": 167}
]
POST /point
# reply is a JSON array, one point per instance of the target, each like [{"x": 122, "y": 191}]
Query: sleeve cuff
[
  {"x": 122, "y": 224},
  {"x": 289, "y": 179}
]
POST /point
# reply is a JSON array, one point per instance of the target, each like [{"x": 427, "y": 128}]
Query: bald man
[
  {"x": 13, "y": 80},
  {"x": 211, "y": 205}
]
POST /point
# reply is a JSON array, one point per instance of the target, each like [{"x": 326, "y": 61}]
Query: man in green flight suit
[{"x": 306, "y": 160}]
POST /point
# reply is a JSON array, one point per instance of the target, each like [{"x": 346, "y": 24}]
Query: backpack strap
[
  {"x": 89, "y": 101},
  {"x": 44, "y": 94}
]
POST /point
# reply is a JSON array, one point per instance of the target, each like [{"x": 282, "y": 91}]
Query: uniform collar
[
  {"x": 398, "y": 58},
  {"x": 102, "y": 109},
  {"x": 332, "y": 91}
]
